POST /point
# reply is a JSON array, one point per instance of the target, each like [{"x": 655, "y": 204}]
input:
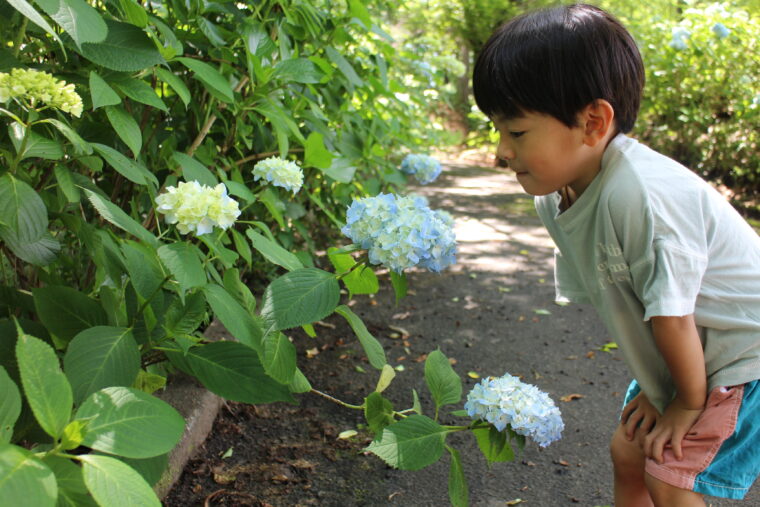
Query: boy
[{"x": 672, "y": 269}]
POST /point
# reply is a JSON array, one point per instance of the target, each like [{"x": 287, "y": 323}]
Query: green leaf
[
  {"x": 211, "y": 77},
  {"x": 274, "y": 205},
  {"x": 126, "y": 127},
  {"x": 239, "y": 290},
  {"x": 130, "y": 423},
  {"x": 135, "y": 13},
  {"x": 398, "y": 280},
  {"x": 80, "y": 145},
  {"x": 458, "y": 493},
  {"x": 71, "y": 488},
  {"x": 240, "y": 190},
  {"x": 241, "y": 246},
  {"x": 341, "y": 170},
  {"x": 344, "y": 66},
  {"x": 116, "y": 484},
  {"x": 140, "y": 91},
  {"x": 235, "y": 318},
  {"x": 32, "y": 15},
  {"x": 316, "y": 155},
  {"x": 300, "y": 297},
  {"x": 300, "y": 383},
  {"x": 117, "y": 217},
  {"x": 361, "y": 280},
  {"x": 77, "y": 18},
  {"x": 151, "y": 469},
  {"x": 194, "y": 170},
  {"x": 40, "y": 252},
  {"x": 279, "y": 357},
  {"x": 66, "y": 183},
  {"x": 298, "y": 70},
  {"x": 273, "y": 252},
  {"x": 386, "y": 377},
  {"x": 179, "y": 86},
  {"x": 359, "y": 11},
  {"x": 10, "y": 406},
  {"x": 442, "y": 380},
  {"x": 66, "y": 312},
  {"x": 371, "y": 346},
  {"x": 126, "y": 48},
  {"x": 378, "y": 411},
  {"x": 184, "y": 262},
  {"x": 130, "y": 169},
  {"x": 233, "y": 370},
  {"x": 185, "y": 318},
  {"x": 493, "y": 444},
  {"x": 145, "y": 271},
  {"x": 21, "y": 209},
  {"x": 24, "y": 479},
  {"x": 46, "y": 388},
  {"x": 410, "y": 444},
  {"x": 99, "y": 357},
  {"x": 101, "y": 93},
  {"x": 36, "y": 146}
]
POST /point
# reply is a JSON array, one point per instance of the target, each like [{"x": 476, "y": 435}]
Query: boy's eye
[{"x": 515, "y": 135}]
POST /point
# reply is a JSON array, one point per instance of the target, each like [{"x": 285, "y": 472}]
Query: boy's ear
[{"x": 598, "y": 122}]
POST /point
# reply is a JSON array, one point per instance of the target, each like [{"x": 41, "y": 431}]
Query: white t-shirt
[{"x": 650, "y": 238}]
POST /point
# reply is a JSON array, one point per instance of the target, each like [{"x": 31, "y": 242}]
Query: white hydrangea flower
[
  {"x": 402, "y": 232},
  {"x": 198, "y": 208},
  {"x": 280, "y": 173},
  {"x": 34, "y": 86},
  {"x": 527, "y": 410},
  {"x": 424, "y": 168}
]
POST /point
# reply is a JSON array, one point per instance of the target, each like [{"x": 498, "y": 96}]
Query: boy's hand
[
  {"x": 672, "y": 427},
  {"x": 639, "y": 413}
]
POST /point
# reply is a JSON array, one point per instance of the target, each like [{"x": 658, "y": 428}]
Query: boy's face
[{"x": 545, "y": 154}]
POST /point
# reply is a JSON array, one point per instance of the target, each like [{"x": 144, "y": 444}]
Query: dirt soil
[{"x": 491, "y": 313}]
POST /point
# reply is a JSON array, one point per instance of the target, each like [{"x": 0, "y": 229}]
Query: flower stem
[{"x": 336, "y": 400}]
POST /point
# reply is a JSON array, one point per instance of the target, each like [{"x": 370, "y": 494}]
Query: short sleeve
[
  {"x": 668, "y": 282},
  {"x": 566, "y": 283}
]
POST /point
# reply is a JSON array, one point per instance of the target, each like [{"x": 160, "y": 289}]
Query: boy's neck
[{"x": 570, "y": 193}]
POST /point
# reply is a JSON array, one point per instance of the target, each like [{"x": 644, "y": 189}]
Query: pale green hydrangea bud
[
  {"x": 198, "y": 208},
  {"x": 280, "y": 173},
  {"x": 34, "y": 86}
]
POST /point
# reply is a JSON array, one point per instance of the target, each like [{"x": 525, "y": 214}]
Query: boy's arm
[{"x": 678, "y": 340}]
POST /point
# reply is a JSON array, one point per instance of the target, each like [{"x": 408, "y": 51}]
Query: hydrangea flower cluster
[
  {"x": 679, "y": 37},
  {"x": 527, "y": 410},
  {"x": 720, "y": 30},
  {"x": 280, "y": 173},
  {"x": 36, "y": 86},
  {"x": 198, "y": 208},
  {"x": 402, "y": 232},
  {"x": 424, "y": 168}
]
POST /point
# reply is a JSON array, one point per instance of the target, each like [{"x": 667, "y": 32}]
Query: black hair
[{"x": 557, "y": 61}]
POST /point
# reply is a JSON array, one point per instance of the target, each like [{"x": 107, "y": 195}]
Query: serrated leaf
[
  {"x": 410, "y": 444},
  {"x": 300, "y": 383},
  {"x": 300, "y": 297},
  {"x": 235, "y": 318},
  {"x": 176, "y": 83},
  {"x": 143, "y": 267},
  {"x": 211, "y": 77},
  {"x": 373, "y": 349},
  {"x": 378, "y": 411},
  {"x": 135, "y": 13},
  {"x": 116, "y": 484},
  {"x": 183, "y": 260},
  {"x": 458, "y": 491},
  {"x": 130, "y": 423},
  {"x": 273, "y": 252},
  {"x": 132, "y": 170},
  {"x": 101, "y": 356},
  {"x": 126, "y": 128},
  {"x": 442, "y": 380},
  {"x": 386, "y": 377},
  {"x": 298, "y": 70},
  {"x": 32, "y": 15},
  {"x": 101, "y": 93},
  {"x": 119, "y": 218},
  {"x": 279, "y": 357},
  {"x": 45, "y": 386},
  {"x": 80, "y": 145},
  {"x": 140, "y": 91},
  {"x": 21, "y": 208},
  {"x": 65, "y": 311},
  {"x": 77, "y": 18},
  {"x": 344, "y": 66},
  {"x": 24, "y": 479},
  {"x": 194, "y": 170},
  {"x": 234, "y": 371},
  {"x": 126, "y": 48},
  {"x": 493, "y": 444},
  {"x": 185, "y": 318},
  {"x": 36, "y": 146},
  {"x": 10, "y": 406},
  {"x": 71, "y": 488}
]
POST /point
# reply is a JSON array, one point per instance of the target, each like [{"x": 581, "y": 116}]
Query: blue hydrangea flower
[
  {"x": 720, "y": 30},
  {"x": 679, "y": 37},
  {"x": 424, "y": 168},
  {"x": 527, "y": 410},
  {"x": 402, "y": 232},
  {"x": 280, "y": 173}
]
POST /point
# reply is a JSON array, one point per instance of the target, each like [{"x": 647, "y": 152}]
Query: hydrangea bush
[{"x": 424, "y": 168}]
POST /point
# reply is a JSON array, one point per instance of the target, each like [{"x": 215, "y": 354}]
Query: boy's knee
[
  {"x": 627, "y": 455},
  {"x": 664, "y": 494}
]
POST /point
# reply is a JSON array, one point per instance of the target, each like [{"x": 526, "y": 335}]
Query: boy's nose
[{"x": 504, "y": 153}]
